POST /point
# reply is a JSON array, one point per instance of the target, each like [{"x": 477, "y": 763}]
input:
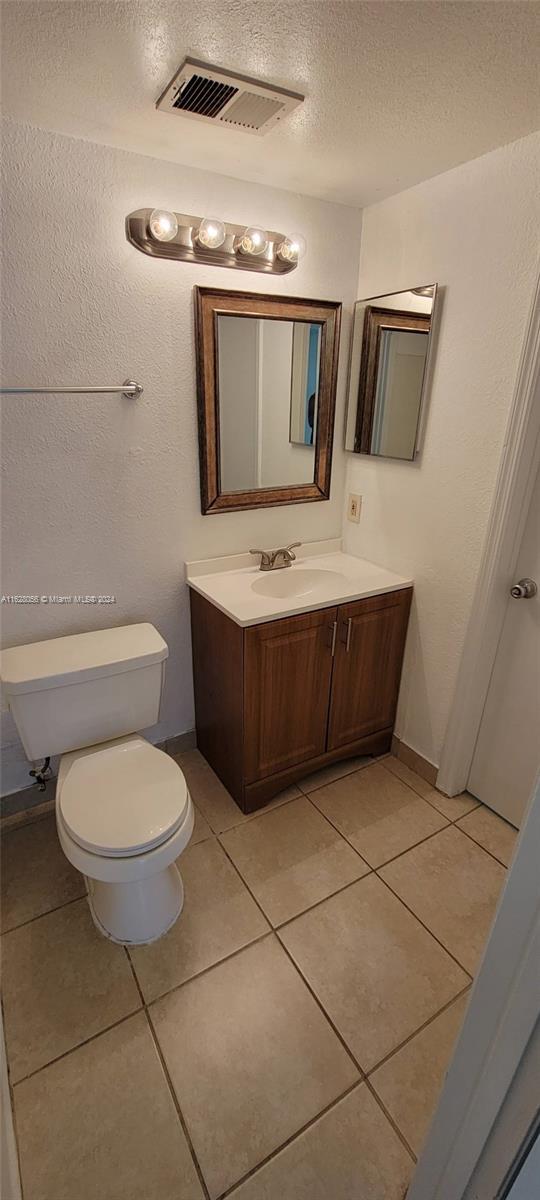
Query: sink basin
[{"x": 295, "y": 581}]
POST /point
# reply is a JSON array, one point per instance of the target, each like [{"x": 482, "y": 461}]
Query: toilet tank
[{"x": 74, "y": 691}]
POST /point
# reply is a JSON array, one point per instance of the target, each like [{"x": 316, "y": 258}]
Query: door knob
[{"x": 524, "y": 589}]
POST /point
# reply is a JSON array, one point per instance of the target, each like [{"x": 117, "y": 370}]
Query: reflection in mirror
[
  {"x": 267, "y": 398},
  {"x": 306, "y": 353},
  {"x": 388, "y": 371}
]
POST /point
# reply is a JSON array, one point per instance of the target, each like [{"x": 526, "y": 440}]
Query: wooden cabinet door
[
  {"x": 367, "y": 666},
  {"x": 287, "y": 674}
]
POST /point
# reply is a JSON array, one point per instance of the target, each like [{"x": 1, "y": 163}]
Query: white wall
[
  {"x": 473, "y": 230},
  {"x": 101, "y": 494}
]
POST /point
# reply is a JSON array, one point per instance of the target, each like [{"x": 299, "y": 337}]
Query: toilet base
[{"x": 138, "y": 912}]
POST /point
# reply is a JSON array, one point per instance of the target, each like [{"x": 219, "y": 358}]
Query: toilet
[{"x": 123, "y": 810}]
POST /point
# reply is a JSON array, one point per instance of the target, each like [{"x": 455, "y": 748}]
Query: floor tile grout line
[
  {"x": 297, "y": 969},
  {"x": 424, "y": 926},
  {"x": 246, "y": 885},
  {"x": 321, "y": 1007},
  {"x": 388, "y": 860},
  {"x": 176, "y": 987},
  {"x": 290, "y": 1140},
  {"x": 448, "y": 821},
  {"x": 246, "y": 818},
  {"x": 135, "y": 978},
  {"x": 176, "y": 1102},
  {"x": 391, "y": 1120},
  {"x": 72, "y": 1050},
  {"x": 479, "y": 844},
  {"x": 317, "y": 903},
  {"x": 47, "y": 913},
  {"x": 415, "y": 845},
  {"x": 440, "y": 1011},
  {"x": 411, "y": 787}
]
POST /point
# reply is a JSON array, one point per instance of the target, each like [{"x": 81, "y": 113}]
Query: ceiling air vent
[{"x": 212, "y": 94}]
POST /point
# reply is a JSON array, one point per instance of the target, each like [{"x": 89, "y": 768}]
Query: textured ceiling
[{"x": 396, "y": 92}]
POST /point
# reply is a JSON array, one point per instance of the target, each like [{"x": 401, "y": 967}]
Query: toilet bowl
[
  {"x": 123, "y": 810},
  {"x": 124, "y": 815}
]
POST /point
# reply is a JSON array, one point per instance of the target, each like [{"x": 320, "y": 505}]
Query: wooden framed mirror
[
  {"x": 266, "y": 393},
  {"x": 388, "y": 373}
]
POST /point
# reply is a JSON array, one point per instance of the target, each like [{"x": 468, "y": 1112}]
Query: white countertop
[{"x": 321, "y": 576}]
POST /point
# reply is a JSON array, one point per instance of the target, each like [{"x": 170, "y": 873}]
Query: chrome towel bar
[{"x": 129, "y": 389}]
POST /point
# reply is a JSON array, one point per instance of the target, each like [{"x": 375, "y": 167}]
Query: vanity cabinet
[{"x": 278, "y": 700}]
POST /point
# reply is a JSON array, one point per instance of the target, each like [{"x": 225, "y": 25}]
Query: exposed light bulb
[
  {"x": 211, "y": 233},
  {"x": 292, "y": 248},
  {"x": 163, "y": 225},
  {"x": 253, "y": 241}
]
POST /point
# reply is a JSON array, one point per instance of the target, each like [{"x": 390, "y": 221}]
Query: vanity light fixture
[
  {"x": 163, "y": 234},
  {"x": 163, "y": 225},
  {"x": 292, "y": 248}
]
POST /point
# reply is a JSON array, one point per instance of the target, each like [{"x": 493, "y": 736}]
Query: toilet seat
[{"x": 121, "y": 798}]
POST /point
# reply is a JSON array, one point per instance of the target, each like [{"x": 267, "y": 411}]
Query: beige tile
[
  {"x": 219, "y": 916},
  {"x": 410, "y": 1081},
  {"x": 291, "y": 858},
  {"x": 453, "y": 887},
  {"x": 417, "y": 763},
  {"x": 377, "y": 972},
  {"x": 451, "y": 807},
  {"x": 335, "y": 771},
  {"x": 379, "y": 815},
  {"x": 213, "y": 799},
  {"x": 63, "y": 982},
  {"x": 36, "y": 875},
  {"x": 101, "y": 1125},
  {"x": 251, "y": 1057},
  {"x": 491, "y": 832},
  {"x": 351, "y": 1153},
  {"x": 201, "y": 829}
]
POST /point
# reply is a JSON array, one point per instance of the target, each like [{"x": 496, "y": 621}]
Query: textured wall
[
  {"x": 474, "y": 230},
  {"x": 101, "y": 494}
]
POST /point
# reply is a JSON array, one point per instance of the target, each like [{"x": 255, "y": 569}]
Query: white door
[{"x": 507, "y": 753}]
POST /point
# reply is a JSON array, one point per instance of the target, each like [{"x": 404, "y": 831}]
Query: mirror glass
[
  {"x": 268, "y": 387},
  {"x": 388, "y": 371}
]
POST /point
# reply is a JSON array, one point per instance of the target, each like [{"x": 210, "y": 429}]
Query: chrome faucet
[{"x": 275, "y": 560}]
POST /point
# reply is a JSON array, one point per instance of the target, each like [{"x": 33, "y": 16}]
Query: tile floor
[{"x": 288, "y": 1038}]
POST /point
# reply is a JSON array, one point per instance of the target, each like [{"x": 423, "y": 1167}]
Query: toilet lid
[{"x": 123, "y": 797}]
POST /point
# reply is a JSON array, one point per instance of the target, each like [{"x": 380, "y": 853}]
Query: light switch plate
[{"x": 354, "y": 507}]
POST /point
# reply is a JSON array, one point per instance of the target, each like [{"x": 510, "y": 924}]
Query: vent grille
[
  {"x": 203, "y": 96},
  {"x": 203, "y": 92},
  {"x": 251, "y": 111}
]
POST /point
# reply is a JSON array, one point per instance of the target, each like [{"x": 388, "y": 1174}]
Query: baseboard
[
  {"x": 30, "y": 804},
  {"x": 180, "y": 743},
  {"x": 415, "y": 761}
]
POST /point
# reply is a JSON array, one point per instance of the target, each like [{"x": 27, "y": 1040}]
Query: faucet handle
[
  {"x": 293, "y": 546},
  {"x": 266, "y": 558}
]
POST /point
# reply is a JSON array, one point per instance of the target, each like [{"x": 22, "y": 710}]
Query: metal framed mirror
[
  {"x": 389, "y": 372},
  {"x": 266, "y": 388}
]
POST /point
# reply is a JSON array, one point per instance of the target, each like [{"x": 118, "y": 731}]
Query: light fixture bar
[{"x": 185, "y": 246}]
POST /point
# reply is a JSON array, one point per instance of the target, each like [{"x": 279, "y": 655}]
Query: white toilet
[{"x": 123, "y": 810}]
